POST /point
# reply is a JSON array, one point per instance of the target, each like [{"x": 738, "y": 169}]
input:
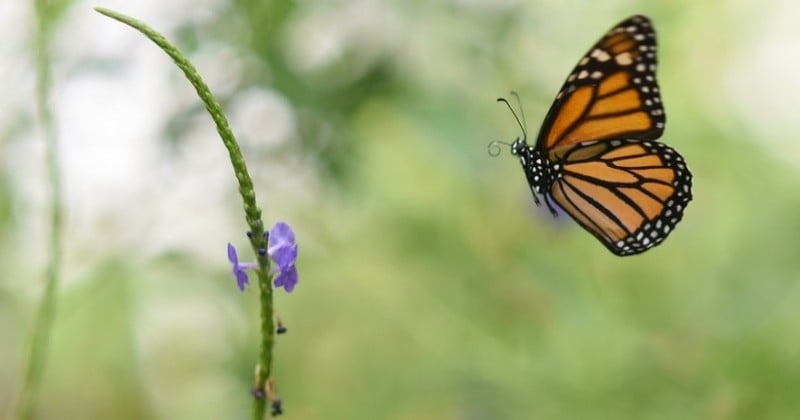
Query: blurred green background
[{"x": 431, "y": 287}]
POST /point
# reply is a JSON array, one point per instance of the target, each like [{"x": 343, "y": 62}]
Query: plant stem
[
  {"x": 47, "y": 307},
  {"x": 252, "y": 212}
]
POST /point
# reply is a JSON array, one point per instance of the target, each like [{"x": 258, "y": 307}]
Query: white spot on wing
[
  {"x": 600, "y": 55},
  {"x": 623, "y": 59}
]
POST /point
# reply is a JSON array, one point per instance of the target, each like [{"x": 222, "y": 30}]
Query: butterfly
[{"x": 596, "y": 155}]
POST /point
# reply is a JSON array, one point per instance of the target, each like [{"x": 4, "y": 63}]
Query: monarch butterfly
[{"x": 596, "y": 155}]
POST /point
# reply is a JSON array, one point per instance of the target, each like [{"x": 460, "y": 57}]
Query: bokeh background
[{"x": 431, "y": 286}]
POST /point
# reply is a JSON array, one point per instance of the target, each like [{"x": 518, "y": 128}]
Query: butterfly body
[
  {"x": 596, "y": 155},
  {"x": 539, "y": 171}
]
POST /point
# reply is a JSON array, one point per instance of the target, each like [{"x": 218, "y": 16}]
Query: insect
[{"x": 596, "y": 155}]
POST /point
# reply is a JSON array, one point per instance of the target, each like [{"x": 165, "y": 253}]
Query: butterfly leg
[
  {"x": 535, "y": 198},
  {"x": 550, "y": 206}
]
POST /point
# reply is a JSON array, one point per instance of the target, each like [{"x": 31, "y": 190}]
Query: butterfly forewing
[{"x": 611, "y": 94}]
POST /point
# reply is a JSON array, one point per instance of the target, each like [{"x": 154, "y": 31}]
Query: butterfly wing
[
  {"x": 611, "y": 94},
  {"x": 629, "y": 194}
]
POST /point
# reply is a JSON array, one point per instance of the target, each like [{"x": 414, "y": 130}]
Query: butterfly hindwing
[
  {"x": 611, "y": 94},
  {"x": 629, "y": 194}
]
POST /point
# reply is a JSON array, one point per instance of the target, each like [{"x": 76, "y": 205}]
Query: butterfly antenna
[
  {"x": 521, "y": 114},
  {"x": 522, "y": 126},
  {"x": 494, "y": 147}
]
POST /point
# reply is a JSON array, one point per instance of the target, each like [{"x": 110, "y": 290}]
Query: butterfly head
[{"x": 518, "y": 147}]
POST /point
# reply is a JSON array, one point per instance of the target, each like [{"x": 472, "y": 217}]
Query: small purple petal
[
  {"x": 241, "y": 278},
  {"x": 232, "y": 257},
  {"x": 281, "y": 234},
  {"x": 287, "y": 279},
  {"x": 282, "y": 246},
  {"x": 284, "y": 256}
]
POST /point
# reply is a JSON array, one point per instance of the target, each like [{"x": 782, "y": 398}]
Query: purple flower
[
  {"x": 283, "y": 251},
  {"x": 239, "y": 267}
]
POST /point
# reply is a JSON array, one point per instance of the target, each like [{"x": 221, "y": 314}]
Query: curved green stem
[
  {"x": 251, "y": 210},
  {"x": 47, "y": 307}
]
